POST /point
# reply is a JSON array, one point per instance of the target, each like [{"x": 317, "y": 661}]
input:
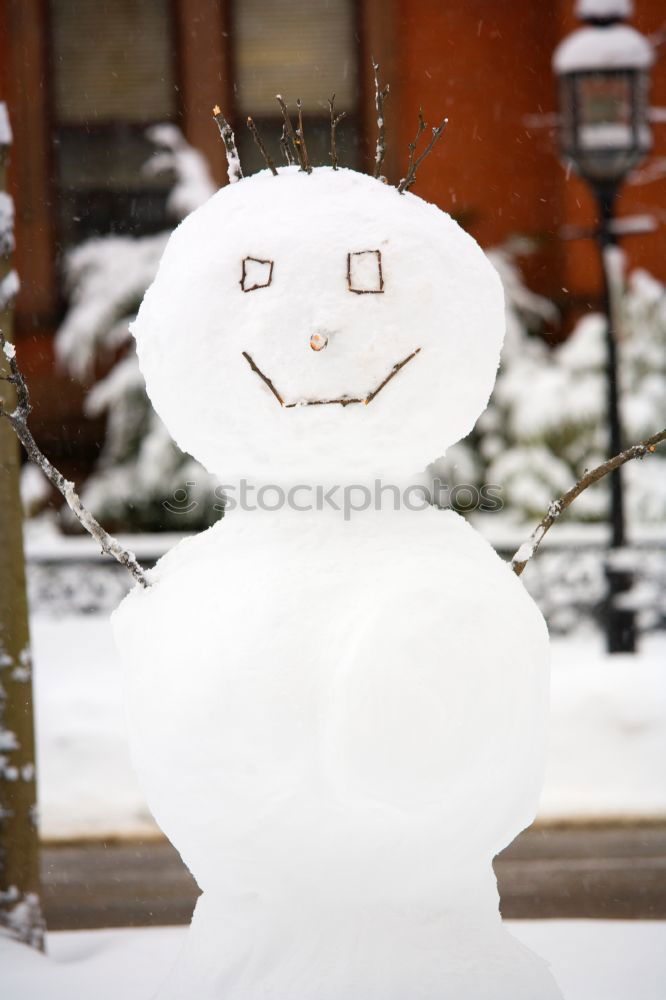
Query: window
[
  {"x": 113, "y": 75},
  {"x": 305, "y": 49}
]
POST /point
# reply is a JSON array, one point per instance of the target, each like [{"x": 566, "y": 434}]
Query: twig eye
[
  {"x": 256, "y": 273},
  {"x": 364, "y": 272}
]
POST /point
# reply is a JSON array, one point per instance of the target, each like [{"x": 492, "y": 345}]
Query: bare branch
[
  {"x": 335, "y": 120},
  {"x": 414, "y": 161},
  {"x": 409, "y": 179},
  {"x": 228, "y": 138},
  {"x": 285, "y": 147},
  {"x": 289, "y": 129},
  {"x": 18, "y": 419},
  {"x": 528, "y": 548},
  {"x": 301, "y": 138},
  {"x": 381, "y": 93},
  {"x": 262, "y": 149}
]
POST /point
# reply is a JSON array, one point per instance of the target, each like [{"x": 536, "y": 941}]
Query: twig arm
[
  {"x": 18, "y": 419},
  {"x": 528, "y": 548}
]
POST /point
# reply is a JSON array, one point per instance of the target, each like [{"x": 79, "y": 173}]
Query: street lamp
[{"x": 603, "y": 72}]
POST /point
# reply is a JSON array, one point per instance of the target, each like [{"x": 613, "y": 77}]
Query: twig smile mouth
[{"x": 341, "y": 400}]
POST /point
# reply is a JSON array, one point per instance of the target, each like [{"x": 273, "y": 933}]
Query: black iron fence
[{"x": 566, "y": 578}]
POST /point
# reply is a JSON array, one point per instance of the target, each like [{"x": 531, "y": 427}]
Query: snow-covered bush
[
  {"x": 547, "y": 421},
  {"x": 527, "y": 317},
  {"x": 106, "y": 279}
]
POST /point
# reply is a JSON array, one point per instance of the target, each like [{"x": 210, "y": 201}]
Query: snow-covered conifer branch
[
  {"x": 9, "y": 289},
  {"x": 228, "y": 138},
  {"x": 335, "y": 121},
  {"x": 18, "y": 418},
  {"x": 381, "y": 93},
  {"x": 268, "y": 160},
  {"x": 414, "y": 161},
  {"x": 556, "y": 508}
]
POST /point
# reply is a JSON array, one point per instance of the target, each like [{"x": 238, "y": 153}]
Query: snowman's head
[{"x": 319, "y": 327}]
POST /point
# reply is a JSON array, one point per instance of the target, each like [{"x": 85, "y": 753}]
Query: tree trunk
[{"x": 20, "y": 908}]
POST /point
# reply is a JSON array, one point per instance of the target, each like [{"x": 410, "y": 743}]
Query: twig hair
[{"x": 294, "y": 147}]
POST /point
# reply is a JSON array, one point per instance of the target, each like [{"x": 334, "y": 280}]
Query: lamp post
[{"x": 603, "y": 71}]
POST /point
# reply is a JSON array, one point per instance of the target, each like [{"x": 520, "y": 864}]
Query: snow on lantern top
[
  {"x": 322, "y": 327},
  {"x": 594, "y": 47},
  {"x": 604, "y": 43},
  {"x": 604, "y": 10}
]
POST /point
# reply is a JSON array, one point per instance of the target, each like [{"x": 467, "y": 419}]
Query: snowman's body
[{"x": 337, "y": 722}]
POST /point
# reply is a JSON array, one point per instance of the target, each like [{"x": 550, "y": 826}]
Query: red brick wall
[{"x": 486, "y": 64}]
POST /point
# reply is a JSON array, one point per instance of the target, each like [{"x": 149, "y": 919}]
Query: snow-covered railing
[{"x": 67, "y": 575}]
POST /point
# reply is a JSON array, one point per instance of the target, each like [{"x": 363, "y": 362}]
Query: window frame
[
  {"x": 60, "y": 193},
  {"x": 312, "y": 117}
]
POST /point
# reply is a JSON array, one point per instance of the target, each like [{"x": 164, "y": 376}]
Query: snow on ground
[
  {"x": 86, "y": 784},
  {"x": 589, "y": 958},
  {"x": 607, "y": 754}
]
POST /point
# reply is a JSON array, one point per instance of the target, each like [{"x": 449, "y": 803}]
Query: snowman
[{"x": 338, "y": 714}]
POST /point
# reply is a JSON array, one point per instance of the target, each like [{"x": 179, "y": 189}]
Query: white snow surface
[
  {"x": 617, "y": 46},
  {"x": 440, "y": 295},
  {"x": 358, "y": 742},
  {"x": 86, "y": 784},
  {"x": 613, "y": 959},
  {"x": 605, "y": 760}
]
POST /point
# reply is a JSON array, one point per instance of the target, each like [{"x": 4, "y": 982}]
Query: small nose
[{"x": 318, "y": 341}]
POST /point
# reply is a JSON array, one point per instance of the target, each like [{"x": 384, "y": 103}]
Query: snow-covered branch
[
  {"x": 9, "y": 289},
  {"x": 292, "y": 136},
  {"x": 285, "y": 147},
  {"x": 381, "y": 93},
  {"x": 556, "y": 508},
  {"x": 18, "y": 418},
  {"x": 192, "y": 181},
  {"x": 228, "y": 138}
]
